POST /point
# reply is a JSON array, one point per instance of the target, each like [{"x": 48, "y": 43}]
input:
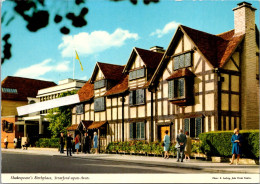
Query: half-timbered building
[{"x": 202, "y": 82}]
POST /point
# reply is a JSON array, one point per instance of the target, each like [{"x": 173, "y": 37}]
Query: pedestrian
[
  {"x": 187, "y": 149},
  {"x": 237, "y": 141},
  {"x": 95, "y": 142},
  {"x": 6, "y": 142},
  {"x": 62, "y": 143},
  {"x": 15, "y": 142},
  {"x": 69, "y": 144},
  {"x": 19, "y": 142},
  {"x": 180, "y": 145},
  {"x": 77, "y": 143},
  {"x": 86, "y": 143},
  {"x": 166, "y": 142}
]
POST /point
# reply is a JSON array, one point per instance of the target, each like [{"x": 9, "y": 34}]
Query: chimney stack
[
  {"x": 244, "y": 17},
  {"x": 157, "y": 49}
]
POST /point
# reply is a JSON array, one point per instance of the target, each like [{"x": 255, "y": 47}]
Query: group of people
[
  {"x": 86, "y": 143},
  {"x": 183, "y": 145},
  {"x": 17, "y": 142}
]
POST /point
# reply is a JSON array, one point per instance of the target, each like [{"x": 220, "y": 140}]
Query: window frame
[
  {"x": 133, "y": 74},
  {"x": 104, "y": 104},
  {"x": 134, "y": 127},
  {"x": 173, "y": 90},
  {"x": 177, "y": 61},
  {"x": 134, "y": 95}
]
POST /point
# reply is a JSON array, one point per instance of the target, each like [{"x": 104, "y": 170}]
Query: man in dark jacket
[
  {"x": 180, "y": 145},
  {"x": 62, "y": 143},
  {"x": 69, "y": 144},
  {"x": 86, "y": 143}
]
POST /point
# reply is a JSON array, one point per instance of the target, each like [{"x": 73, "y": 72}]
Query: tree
[
  {"x": 37, "y": 16},
  {"x": 60, "y": 117}
]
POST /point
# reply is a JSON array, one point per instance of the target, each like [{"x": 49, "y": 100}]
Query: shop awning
[
  {"x": 96, "y": 124},
  {"x": 58, "y": 102},
  {"x": 73, "y": 127}
]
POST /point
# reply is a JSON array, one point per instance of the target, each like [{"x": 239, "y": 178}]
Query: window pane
[
  {"x": 99, "y": 104},
  {"x": 176, "y": 63},
  {"x": 131, "y": 127},
  {"x": 181, "y": 61},
  {"x": 131, "y": 98},
  {"x": 175, "y": 88},
  {"x": 181, "y": 87},
  {"x": 141, "y": 73},
  {"x": 188, "y": 59},
  {"x": 186, "y": 125},
  {"x": 170, "y": 89},
  {"x": 134, "y": 74},
  {"x": 131, "y": 76},
  {"x": 79, "y": 109},
  {"x": 198, "y": 126},
  {"x": 142, "y": 130},
  {"x": 138, "y": 130},
  {"x": 140, "y": 97}
]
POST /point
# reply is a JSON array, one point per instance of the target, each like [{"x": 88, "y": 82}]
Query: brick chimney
[
  {"x": 244, "y": 19},
  {"x": 157, "y": 49}
]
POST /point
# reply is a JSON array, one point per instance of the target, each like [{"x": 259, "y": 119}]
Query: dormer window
[
  {"x": 100, "y": 84},
  {"x": 182, "y": 60},
  {"x": 9, "y": 90},
  {"x": 136, "y": 74}
]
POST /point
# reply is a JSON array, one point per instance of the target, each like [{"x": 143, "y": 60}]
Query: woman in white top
[{"x": 15, "y": 143}]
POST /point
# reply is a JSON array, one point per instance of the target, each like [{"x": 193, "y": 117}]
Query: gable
[{"x": 137, "y": 63}]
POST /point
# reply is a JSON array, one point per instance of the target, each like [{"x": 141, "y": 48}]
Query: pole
[{"x": 73, "y": 68}]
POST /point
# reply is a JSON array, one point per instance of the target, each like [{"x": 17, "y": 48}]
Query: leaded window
[
  {"x": 9, "y": 90},
  {"x": 136, "y": 74},
  {"x": 79, "y": 109},
  {"x": 99, "y": 104},
  {"x": 100, "y": 84},
  {"x": 176, "y": 88},
  {"x": 137, "y": 130},
  {"x": 193, "y": 126},
  {"x": 137, "y": 97},
  {"x": 182, "y": 61}
]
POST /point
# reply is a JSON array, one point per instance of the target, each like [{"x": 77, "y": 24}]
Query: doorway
[{"x": 162, "y": 131}]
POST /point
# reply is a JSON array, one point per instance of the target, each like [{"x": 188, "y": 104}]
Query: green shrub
[
  {"x": 219, "y": 143},
  {"x": 48, "y": 143}
]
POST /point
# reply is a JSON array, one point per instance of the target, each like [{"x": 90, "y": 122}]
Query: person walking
[
  {"x": 77, "y": 143},
  {"x": 15, "y": 143},
  {"x": 187, "y": 149},
  {"x": 236, "y": 140},
  {"x": 87, "y": 143},
  {"x": 62, "y": 143},
  {"x": 19, "y": 142},
  {"x": 181, "y": 141},
  {"x": 6, "y": 142},
  {"x": 95, "y": 142},
  {"x": 166, "y": 142},
  {"x": 69, "y": 144}
]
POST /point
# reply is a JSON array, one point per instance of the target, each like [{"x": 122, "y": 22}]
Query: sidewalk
[{"x": 204, "y": 166}]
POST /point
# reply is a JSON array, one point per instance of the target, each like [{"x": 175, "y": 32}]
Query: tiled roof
[
  {"x": 216, "y": 48},
  {"x": 25, "y": 87},
  {"x": 85, "y": 124},
  {"x": 150, "y": 58},
  {"x": 120, "y": 87},
  {"x": 111, "y": 71},
  {"x": 86, "y": 92},
  {"x": 96, "y": 124},
  {"x": 180, "y": 73}
]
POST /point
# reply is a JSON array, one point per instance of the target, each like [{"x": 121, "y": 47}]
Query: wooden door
[{"x": 163, "y": 129}]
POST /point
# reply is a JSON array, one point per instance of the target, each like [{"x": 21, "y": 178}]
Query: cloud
[
  {"x": 37, "y": 71},
  {"x": 94, "y": 42},
  {"x": 167, "y": 29}
]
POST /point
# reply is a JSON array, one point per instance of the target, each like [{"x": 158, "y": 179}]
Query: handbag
[{"x": 163, "y": 144}]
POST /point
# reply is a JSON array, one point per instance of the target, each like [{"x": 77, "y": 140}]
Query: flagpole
[{"x": 73, "y": 67}]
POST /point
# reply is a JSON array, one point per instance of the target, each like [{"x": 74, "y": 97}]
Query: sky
[{"x": 112, "y": 30}]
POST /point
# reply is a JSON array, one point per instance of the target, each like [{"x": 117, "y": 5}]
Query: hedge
[
  {"x": 146, "y": 148},
  {"x": 219, "y": 143},
  {"x": 48, "y": 143}
]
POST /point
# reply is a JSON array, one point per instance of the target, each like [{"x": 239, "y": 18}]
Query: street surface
[{"x": 24, "y": 163}]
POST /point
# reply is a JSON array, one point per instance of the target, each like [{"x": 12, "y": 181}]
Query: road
[{"x": 25, "y": 163}]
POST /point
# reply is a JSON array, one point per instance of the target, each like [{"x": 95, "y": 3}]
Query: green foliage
[
  {"x": 196, "y": 147},
  {"x": 219, "y": 143},
  {"x": 48, "y": 143},
  {"x": 60, "y": 118}
]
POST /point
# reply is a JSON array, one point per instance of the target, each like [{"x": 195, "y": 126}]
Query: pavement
[{"x": 206, "y": 166}]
